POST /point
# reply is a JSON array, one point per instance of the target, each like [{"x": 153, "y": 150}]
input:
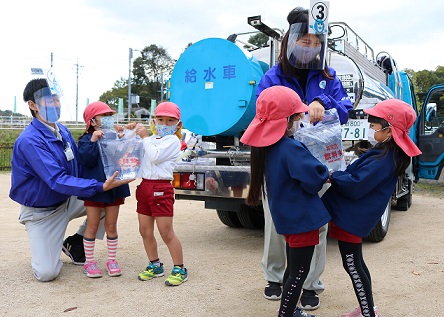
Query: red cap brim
[{"x": 264, "y": 133}]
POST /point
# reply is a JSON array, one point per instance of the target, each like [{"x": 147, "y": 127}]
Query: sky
[{"x": 89, "y": 40}]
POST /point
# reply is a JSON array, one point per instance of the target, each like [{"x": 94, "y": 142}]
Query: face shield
[
  {"x": 48, "y": 99},
  {"x": 306, "y": 50},
  {"x": 48, "y": 104}
]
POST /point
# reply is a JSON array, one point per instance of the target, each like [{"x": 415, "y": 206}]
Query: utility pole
[
  {"x": 129, "y": 83},
  {"x": 161, "y": 87},
  {"x": 77, "y": 89}
]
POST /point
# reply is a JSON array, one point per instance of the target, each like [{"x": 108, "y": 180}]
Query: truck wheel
[
  {"x": 380, "y": 230},
  {"x": 251, "y": 218},
  {"x": 403, "y": 203},
  {"x": 229, "y": 218}
]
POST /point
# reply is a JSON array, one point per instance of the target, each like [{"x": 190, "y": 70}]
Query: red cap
[
  {"x": 273, "y": 106},
  {"x": 94, "y": 109},
  {"x": 167, "y": 109},
  {"x": 401, "y": 117}
]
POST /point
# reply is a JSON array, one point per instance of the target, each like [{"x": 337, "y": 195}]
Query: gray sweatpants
[
  {"x": 46, "y": 230},
  {"x": 274, "y": 257}
]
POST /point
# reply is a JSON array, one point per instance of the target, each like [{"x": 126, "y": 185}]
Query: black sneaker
[
  {"x": 273, "y": 291},
  {"x": 310, "y": 300},
  {"x": 73, "y": 247}
]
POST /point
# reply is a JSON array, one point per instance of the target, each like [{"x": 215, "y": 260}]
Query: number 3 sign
[{"x": 318, "y": 18}]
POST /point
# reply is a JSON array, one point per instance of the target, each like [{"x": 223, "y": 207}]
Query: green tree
[
  {"x": 258, "y": 40},
  {"x": 149, "y": 71},
  {"x": 119, "y": 90},
  {"x": 423, "y": 80}
]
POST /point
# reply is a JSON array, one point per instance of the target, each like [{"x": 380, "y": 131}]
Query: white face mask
[
  {"x": 294, "y": 127},
  {"x": 371, "y": 137}
]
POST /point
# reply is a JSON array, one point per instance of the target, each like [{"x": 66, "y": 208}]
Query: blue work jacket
[
  {"x": 92, "y": 167},
  {"x": 41, "y": 174},
  {"x": 294, "y": 177},
  {"x": 329, "y": 92},
  {"x": 358, "y": 196}
]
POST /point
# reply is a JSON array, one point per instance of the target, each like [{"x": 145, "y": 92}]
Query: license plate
[{"x": 355, "y": 129}]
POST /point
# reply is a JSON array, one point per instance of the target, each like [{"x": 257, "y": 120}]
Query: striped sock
[
  {"x": 112, "y": 247},
  {"x": 88, "y": 245}
]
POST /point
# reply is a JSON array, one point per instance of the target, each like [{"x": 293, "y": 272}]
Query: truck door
[{"x": 430, "y": 134}]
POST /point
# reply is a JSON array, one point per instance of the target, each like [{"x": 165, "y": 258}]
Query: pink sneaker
[
  {"x": 113, "y": 268},
  {"x": 357, "y": 312},
  {"x": 91, "y": 269}
]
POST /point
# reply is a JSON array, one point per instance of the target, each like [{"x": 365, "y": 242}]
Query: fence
[
  {"x": 9, "y": 124},
  {"x": 16, "y": 122},
  {"x": 12, "y": 123}
]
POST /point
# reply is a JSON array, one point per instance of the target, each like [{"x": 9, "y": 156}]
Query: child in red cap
[
  {"x": 98, "y": 116},
  {"x": 155, "y": 194},
  {"x": 358, "y": 196},
  {"x": 292, "y": 177}
]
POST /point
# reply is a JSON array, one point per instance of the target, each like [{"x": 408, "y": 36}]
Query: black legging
[
  {"x": 298, "y": 266},
  {"x": 354, "y": 265}
]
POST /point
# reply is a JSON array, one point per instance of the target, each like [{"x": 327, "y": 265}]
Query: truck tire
[
  {"x": 251, "y": 218},
  {"x": 403, "y": 203},
  {"x": 229, "y": 218},
  {"x": 380, "y": 230}
]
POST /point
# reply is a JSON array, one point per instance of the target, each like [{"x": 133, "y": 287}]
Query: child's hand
[
  {"x": 141, "y": 131},
  {"x": 130, "y": 126},
  {"x": 328, "y": 181},
  {"x": 120, "y": 131},
  {"x": 119, "y": 128},
  {"x": 96, "y": 135}
]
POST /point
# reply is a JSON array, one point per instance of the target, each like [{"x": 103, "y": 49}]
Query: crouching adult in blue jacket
[{"x": 45, "y": 182}]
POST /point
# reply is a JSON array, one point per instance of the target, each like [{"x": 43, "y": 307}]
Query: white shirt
[
  {"x": 159, "y": 156},
  {"x": 54, "y": 131}
]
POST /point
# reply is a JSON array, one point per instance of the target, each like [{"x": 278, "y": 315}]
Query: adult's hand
[
  {"x": 316, "y": 111},
  {"x": 113, "y": 182}
]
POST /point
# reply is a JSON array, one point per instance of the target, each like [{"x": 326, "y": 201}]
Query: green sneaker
[
  {"x": 177, "y": 277},
  {"x": 151, "y": 271}
]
